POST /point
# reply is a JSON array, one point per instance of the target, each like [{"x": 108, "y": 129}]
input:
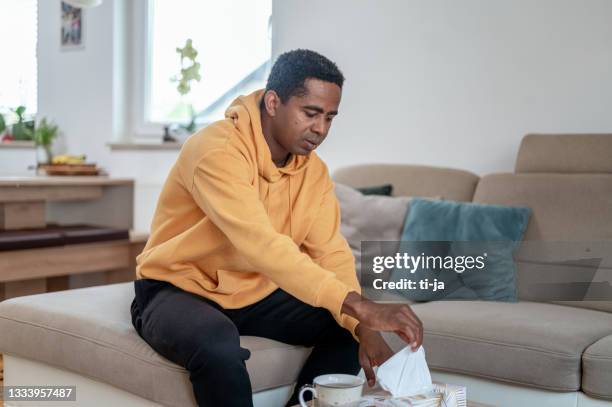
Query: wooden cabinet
[{"x": 33, "y": 202}]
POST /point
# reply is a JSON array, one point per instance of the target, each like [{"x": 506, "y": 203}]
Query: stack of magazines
[{"x": 442, "y": 395}]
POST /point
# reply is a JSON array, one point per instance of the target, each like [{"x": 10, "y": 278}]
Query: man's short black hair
[{"x": 292, "y": 68}]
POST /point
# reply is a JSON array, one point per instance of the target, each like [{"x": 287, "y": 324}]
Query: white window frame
[{"x": 142, "y": 128}]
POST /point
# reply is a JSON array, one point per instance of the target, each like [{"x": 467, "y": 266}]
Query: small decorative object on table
[
  {"x": 44, "y": 134},
  {"x": 69, "y": 165},
  {"x": 442, "y": 395},
  {"x": 404, "y": 380}
]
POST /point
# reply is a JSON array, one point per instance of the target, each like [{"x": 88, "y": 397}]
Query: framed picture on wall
[{"x": 72, "y": 27}]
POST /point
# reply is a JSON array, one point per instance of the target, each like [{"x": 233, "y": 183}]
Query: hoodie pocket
[{"x": 229, "y": 282}]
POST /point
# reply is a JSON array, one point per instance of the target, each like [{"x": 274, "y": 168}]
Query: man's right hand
[{"x": 398, "y": 318}]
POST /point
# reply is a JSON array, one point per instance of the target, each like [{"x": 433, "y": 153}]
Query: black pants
[{"x": 204, "y": 338}]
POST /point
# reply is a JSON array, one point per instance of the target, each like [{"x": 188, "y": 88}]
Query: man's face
[{"x": 302, "y": 123}]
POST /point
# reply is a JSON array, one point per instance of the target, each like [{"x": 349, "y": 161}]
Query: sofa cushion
[
  {"x": 89, "y": 331},
  {"x": 76, "y": 234},
  {"x": 471, "y": 230},
  {"x": 412, "y": 180},
  {"x": 567, "y": 153},
  {"x": 369, "y": 218},
  {"x": 29, "y": 239},
  {"x": 58, "y": 235},
  {"x": 597, "y": 369},
  {"x": 527, "y": 343},
  {"x": 385, "y": 190}
]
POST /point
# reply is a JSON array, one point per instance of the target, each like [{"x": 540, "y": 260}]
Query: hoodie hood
[{"x": 245, "y": 113}]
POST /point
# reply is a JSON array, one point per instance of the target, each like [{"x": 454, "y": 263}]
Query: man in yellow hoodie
[{"x": 245, "y": 240}]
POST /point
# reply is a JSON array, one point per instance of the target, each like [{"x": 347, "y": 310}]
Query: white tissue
[{"x": 405, "y": 374}]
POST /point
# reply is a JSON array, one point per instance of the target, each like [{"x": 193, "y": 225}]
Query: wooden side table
[{"x": 34, "y": 201}]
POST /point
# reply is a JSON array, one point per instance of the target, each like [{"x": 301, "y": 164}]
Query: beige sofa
[{"x": 528, "y": 353}]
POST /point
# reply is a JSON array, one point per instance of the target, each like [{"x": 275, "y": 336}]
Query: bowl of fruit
[{"x": 69, "y": 165}]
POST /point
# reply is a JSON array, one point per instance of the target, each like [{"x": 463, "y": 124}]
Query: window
[
  {"x": 234, "y": 46},
  {"x": 18, "y": 31}
]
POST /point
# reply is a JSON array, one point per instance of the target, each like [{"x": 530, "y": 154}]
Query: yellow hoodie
[{"x": 232, "y": 227}]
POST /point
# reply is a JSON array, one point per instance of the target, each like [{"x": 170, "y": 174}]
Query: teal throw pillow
[{"x": 470, "y": 246}]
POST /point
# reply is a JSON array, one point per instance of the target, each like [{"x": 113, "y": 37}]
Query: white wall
[
  {"x": 456, "y": 83},
  {"x": 435, "y": 82},
  {"x": 15, "y": 161},
  {"x": 87, "y": 93},
  {"x": 75, "y": 87}
]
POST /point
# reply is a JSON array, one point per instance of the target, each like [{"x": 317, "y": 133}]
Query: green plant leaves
[
  {"x": 188, "y": 73},
  {"x": 45, "y": 132}
]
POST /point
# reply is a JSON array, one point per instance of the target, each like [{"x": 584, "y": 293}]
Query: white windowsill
[
  {"x": 18, "y": 144},
  {"x": 144, "y": 146},
  {"x": 120, "y": 146}
]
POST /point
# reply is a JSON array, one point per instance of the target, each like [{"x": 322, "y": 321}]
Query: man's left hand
[{"x": 373, "y": 351}]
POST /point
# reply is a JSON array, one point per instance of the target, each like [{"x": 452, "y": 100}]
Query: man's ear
[{"x": 271, "y": 102}]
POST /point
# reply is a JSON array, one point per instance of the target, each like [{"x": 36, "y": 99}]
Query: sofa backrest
[
  {"x": 412, "y": 180},
  {"x": 565, "y": 207},
  {"x": 567, "y": 182},
  {"x": 565, "y": 153},
  {"x": 568, "y": 241},
  {"x": 581, "y": 215}
]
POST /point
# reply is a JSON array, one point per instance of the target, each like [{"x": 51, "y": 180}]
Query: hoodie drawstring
[{"x": 290, "y": 210}]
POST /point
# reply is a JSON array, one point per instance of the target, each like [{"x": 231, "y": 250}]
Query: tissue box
[
  {"x": 446, "y": 395},
  {"x": 452, "y": 395}
]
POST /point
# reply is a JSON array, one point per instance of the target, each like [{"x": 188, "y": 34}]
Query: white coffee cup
[{"x": 334, "y": 390}]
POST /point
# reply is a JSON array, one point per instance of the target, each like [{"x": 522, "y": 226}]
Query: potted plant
[
  {"x": 190, "y": 71},
  {"x": 44, "y": 134},
  {"x": 2, "y": 127},
  {"x": 22, "y": 129}
]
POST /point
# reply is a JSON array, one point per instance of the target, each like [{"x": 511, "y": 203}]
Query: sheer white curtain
[{"x": 18, "y": 67}]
